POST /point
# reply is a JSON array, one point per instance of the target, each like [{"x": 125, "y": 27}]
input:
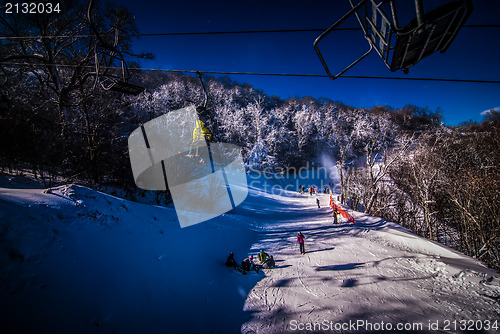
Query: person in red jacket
[{"x": 300, "y": 241}]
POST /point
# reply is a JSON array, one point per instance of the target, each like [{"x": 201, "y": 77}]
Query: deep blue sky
[{"x": 474, "y": 54}]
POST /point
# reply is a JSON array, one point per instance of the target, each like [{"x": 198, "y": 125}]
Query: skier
[
  {"x": 335, "y": 213},
  {"x": 317, "y": 202},
  {"x": 311, "y": 191},
  {"x": 269, "y": 263},
  {"x": 230, "y": 262},
  {"x": 263, "y": 256},
  {"x": 300, "y": 241}
]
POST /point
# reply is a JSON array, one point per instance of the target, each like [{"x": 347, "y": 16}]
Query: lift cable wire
[
  {"x": 276, "y": 74},
  {"x": 218, "y": 32}
]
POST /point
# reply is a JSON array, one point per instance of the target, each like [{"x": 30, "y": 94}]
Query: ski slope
[{"x": 74, "y": 260}]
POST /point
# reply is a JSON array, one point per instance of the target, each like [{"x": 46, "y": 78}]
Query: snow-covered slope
[
  {"x": 374, "y": 272},
  {"x": 74, "y": 260},
  {"x": 79, "y": 261}
]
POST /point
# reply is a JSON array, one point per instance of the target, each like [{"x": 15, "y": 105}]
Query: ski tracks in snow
[{"x": 366, "y": 271}]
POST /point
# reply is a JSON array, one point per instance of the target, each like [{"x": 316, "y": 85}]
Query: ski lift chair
[
  {"x": 120, "y": 84},
  {"x": 202, "y": 111},
  {"x": 403, "y": 47},
  {"x": 126, "y": 87},
  {"x": 112, "y": 82}
]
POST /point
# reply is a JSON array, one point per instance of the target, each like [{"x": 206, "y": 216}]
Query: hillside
[{"x": 79, "y": 261}]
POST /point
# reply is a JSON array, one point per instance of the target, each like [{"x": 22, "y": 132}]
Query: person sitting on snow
[
  {"x": 246, "y": 264},
  {"x": 269, "y": 263},
  {"x": 230, "y": 262},
  {"x": 255, "y": 266},
  {"x": 263, "y": 256}
]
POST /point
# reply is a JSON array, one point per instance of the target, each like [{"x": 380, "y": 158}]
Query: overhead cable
[
  {"x": 218, "y": 32},
  {"x": 274, "y": 74}
]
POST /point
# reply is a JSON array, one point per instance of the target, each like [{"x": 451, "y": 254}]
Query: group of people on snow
[
  {"x": 266, "y": 261},
  {"x": 311, "y": 190},
  {"x": 314, "y": 190}
]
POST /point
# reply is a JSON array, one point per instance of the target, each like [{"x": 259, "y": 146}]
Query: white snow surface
[{"x": 74, "y": 260}]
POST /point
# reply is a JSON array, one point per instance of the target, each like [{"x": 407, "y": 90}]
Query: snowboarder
[
  {"x": 269, "y": 263},
  {"x": 311, "y": 191},
  {"x": 317, "y": 202},
  {"x": 300, "y": 241},
  {"x": 230, "y": 262},
  {"x": 263, "y": 256},
  {"x": 335, "y": 213}
]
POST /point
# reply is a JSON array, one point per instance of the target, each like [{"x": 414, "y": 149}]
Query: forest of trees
[{"x": 59, "y": 124}]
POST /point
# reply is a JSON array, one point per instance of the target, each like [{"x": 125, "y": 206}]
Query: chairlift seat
[
  {"x": 403, "y": 47},
  {"x": 127, "y": 88},
  {"x": 117, "y": 85},
  {"x": 441, "y": 26}
]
